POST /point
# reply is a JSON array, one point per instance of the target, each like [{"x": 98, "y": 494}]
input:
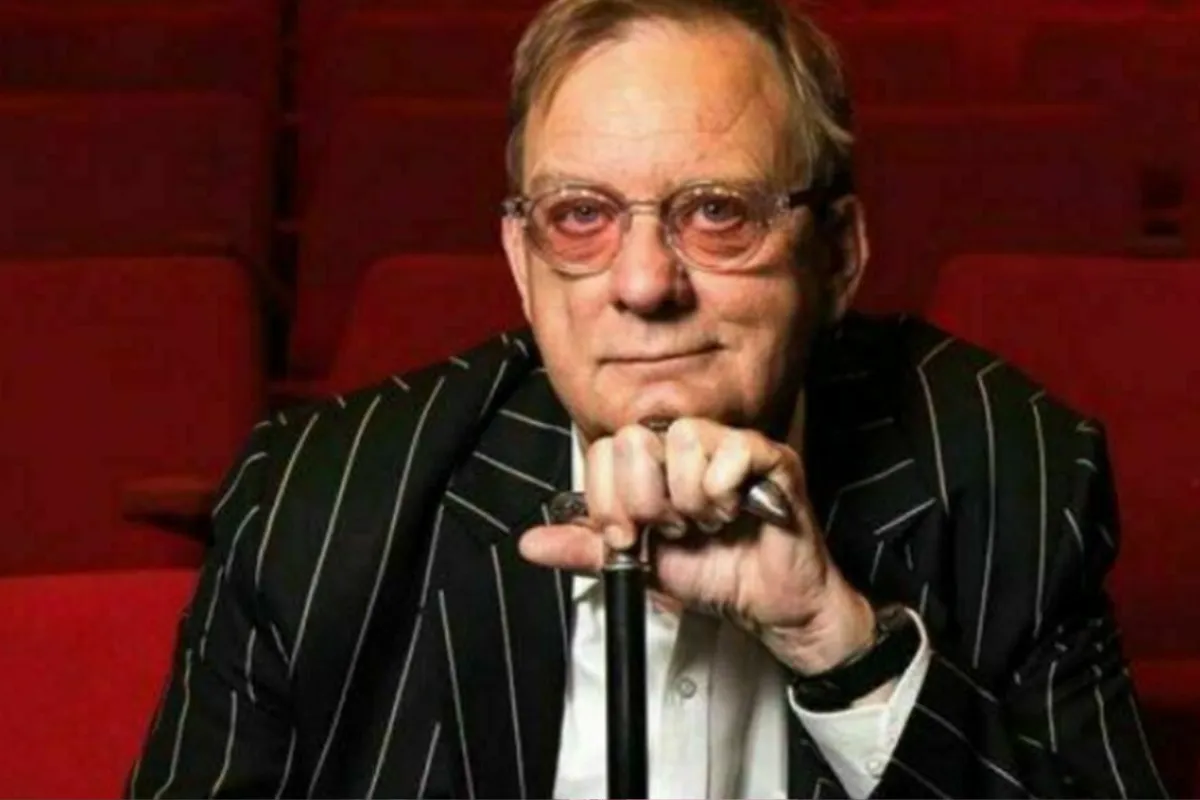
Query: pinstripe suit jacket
[{"x": 365, "y": 625}]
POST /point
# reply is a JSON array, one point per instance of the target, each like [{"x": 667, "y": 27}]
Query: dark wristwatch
[{"x": 897, "y": 640}]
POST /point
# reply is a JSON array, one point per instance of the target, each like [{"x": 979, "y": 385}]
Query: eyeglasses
[{"x": 579, "y": 229}]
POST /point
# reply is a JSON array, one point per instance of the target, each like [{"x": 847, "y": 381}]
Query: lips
[{"x": 659, "y": 357}]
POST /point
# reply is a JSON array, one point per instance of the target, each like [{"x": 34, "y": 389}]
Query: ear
[
  {"x": 512, "y": 235},
  {"x": 852, "y": 250}
]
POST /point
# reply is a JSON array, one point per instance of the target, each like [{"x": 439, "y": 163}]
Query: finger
[
  {"x": 605, "y": 511},
  {"x": 686, "y": 464},
  {"x": 738, "y": 457},
  {"x": 574, "y": 548},
  {"x": 641, "y": 483}
]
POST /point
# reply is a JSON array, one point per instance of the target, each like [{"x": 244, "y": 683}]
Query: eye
[
  {"x": 579, "y": 216},
  {"x": 713, "y": 212}
]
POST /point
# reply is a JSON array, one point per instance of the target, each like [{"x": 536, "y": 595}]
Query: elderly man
[{"x": 388, "y": 610}]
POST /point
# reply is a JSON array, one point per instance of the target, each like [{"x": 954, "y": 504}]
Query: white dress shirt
[{"x": 717, "y": 701}]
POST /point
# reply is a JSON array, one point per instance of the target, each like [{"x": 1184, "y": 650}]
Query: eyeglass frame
[{"x": 815, "y": 197}]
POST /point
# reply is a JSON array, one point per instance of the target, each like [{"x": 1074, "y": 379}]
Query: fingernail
[
  {"x": 618, "y": 538},
  {"x": 726, "y": 515},
  {"x": 673, "y": 530},
  {"x": 710, "y": 525}
]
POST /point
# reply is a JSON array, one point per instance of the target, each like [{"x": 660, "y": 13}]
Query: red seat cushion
[{"x": 83, "y": 663}]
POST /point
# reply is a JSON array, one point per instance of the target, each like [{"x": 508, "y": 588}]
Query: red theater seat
[
  {"x": 115, "y": 371},
  {"x": 398, "y": 176},
  {"x": 941, "y": 181},
  {"x": 84, "y": 660},
  {"x": 143, "y": 174},
  {"x": 415, "y": 310},
  {"x": 48, "y": 48}
]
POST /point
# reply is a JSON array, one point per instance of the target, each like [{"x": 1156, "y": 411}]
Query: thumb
[{"x": 574, "y": 548}]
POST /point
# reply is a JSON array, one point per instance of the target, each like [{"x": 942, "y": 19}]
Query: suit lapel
[{"x": 507, "y": 622}]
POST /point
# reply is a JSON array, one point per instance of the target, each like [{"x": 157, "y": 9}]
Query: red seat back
[
  {"x": 415, "y": 310},
  {"x": 114, "y": 370}
]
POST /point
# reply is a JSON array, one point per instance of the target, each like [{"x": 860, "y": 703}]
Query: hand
[{"x": 776, "y": 582}]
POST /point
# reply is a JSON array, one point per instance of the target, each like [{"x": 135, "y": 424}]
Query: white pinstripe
[
  {"x": 458, "y": 712},
  {"x": 351, "y": 457},
  {"x": 1044, "y": 516},
  {"x": 283, "y": 483},
  {"x": 433, "y": 743},
  {"x": 837, "y": 498},
  {"x": 277, "y": 640},
  {"x": 396, "y": 379},
  {"x": 396, "y": 700},
  {"x": 467, "y": 504},
  {"x": 1106, "y": 535},
  {"x": 1137, "y": 719},
  {"x": 1050, "y": 706},
  {"x": 341, "y": 401},
  {"x": 512, "y": 680},
  {"x": 924, "y": 602},
  {"x": 875, "y": 562},
  {"x": 384, "y": 558},
  {"x": 1031, "y": 742},
  {"x": 459, "y": 362},
  {"x": 991, "y": 526},
  {"x": 1073, "y": 524},
  {"x": 237, "y": 479},
  {"x": 1108, "y": 751},
  {"x": 183, "y": 712},
  {"x": 266, "y": 423},
  {"x": 219, "y": 783},
  {"x": 516, "y": 473},
  {"x": 287, "y": 766},
  {"x": 991, "y": 765},
  {"x": 433, "y": 545},
  {"x": 912, "y": 773},
  {"x": 495, "y": 387},
  {"x": 1086, "y": 462},
  {"x": 905, "y": 517},
  {"x": 281, "y": 419},
  {"x": 249, "y": 665},
  {"x": 817, "y": 787},
  {"x": 876, "y": 424},
  {"x": 534, "y": 423},
  {"x": 237, "y": 537},
  {"x": 212, "y": 606},
  {"x": 521, "y": 346},
  {"x": 933, "y": 418}
]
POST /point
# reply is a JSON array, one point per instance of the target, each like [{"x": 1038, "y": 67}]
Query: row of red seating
[
  {"x": 130, "y": 342},
  {"x": 912, "y": 57}
]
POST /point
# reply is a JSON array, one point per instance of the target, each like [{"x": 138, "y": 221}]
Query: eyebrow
[{"x": 552, "y": 179}]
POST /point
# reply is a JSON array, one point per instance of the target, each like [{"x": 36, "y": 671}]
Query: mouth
[{"x": 665, "y": 358}]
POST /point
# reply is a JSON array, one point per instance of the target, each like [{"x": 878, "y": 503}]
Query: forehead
[{"x": 662, "y": 105}]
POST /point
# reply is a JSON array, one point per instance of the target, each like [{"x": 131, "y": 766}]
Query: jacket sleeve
[
  {"x": 222, "y": 726},
  {"x": 1066, "y": 721}
]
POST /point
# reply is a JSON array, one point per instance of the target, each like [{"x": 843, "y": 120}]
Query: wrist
[{"x": 843, "y": 626}]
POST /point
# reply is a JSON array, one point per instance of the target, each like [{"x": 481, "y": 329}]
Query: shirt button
[
  {"x": 686, "y": 687},
  {"x": 875, "y": 767}
]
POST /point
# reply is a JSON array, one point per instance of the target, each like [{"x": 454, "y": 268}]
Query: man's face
[{"x": 665, "y": 106}]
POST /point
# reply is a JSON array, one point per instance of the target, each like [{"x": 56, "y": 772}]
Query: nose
[{"x": 646, "y": 276}]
